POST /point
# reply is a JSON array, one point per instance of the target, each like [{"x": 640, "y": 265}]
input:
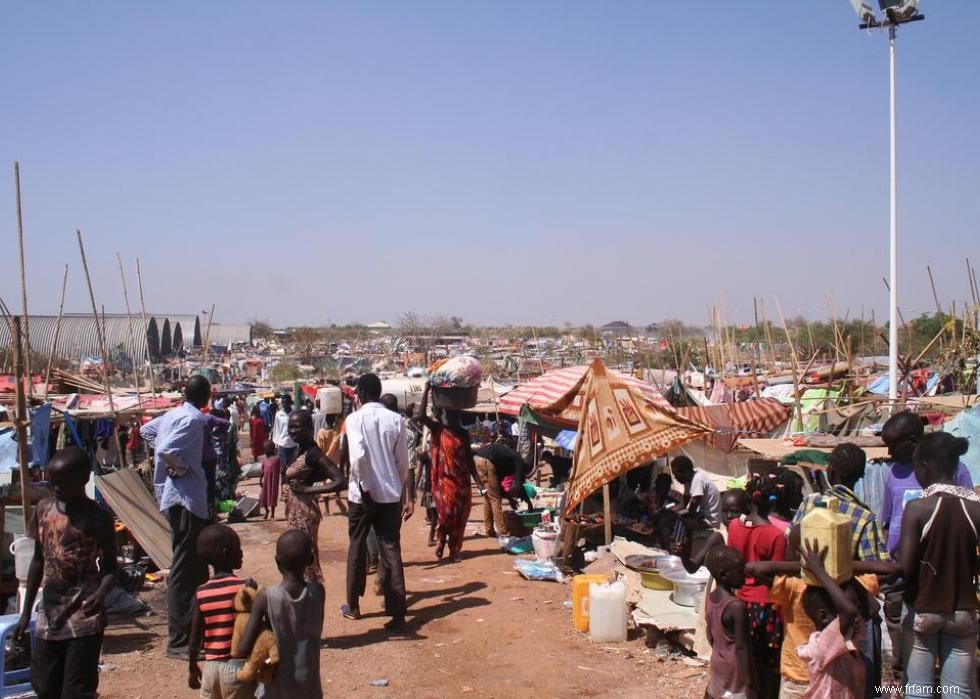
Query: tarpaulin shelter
[
  {"x": 730, "y": 422},
  {"x": 620, "y": 428},
  {"x": 551, "y": 388}
]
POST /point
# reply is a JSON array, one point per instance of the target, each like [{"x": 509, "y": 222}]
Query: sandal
[
  {"x": 348, "y": 613},
  {"x": 440, "y": 550}
]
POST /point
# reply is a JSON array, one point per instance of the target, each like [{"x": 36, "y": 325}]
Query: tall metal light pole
[{"x": 896, "y": 12}]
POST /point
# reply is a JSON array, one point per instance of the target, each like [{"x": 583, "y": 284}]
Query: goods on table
[
  {"x": 829, "y": 529},
  {"x": 607, "y": 612},
  {"x": 580, "y": 599}
]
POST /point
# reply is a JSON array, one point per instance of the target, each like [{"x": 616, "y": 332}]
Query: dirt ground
[{"x": 477, "y": 629}]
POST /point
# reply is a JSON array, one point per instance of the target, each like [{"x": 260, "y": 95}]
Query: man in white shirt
[
  {"x": 280, "y": 433},
  {"x": 377, "y": 449},
  {"x": 701, "y": 496}
]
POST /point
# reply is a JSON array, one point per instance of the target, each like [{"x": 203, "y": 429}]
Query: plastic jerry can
[
  {"x": 829, "y": 529},
  {"x": 580, "y": 599},
  {"x": 607, "y": 612}
]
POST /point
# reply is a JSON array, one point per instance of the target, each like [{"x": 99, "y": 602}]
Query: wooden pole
[
  {"x": 796, "y": 366},
  {"x": 207, "y": 335},
  {"x": 22, "y": 420},
  {"x": 98, "y": 326},
  {"x": 132, "y": 334},
  {"x": 146, "y": 322},
  {"x": 607, "y": 513},
  {"x": 23, "y": 280},
  {"x": 57, "y": 332},
  {"x": 935, "y": 296}
]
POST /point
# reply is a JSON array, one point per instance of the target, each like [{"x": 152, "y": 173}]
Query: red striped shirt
[{"x": 216, "y": 603}]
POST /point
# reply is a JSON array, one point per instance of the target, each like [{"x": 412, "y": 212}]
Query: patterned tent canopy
[
  {"x": 554, "y": 386},
  {"x": 730, "y": 422},
  {"x": 619, "y": 428}
]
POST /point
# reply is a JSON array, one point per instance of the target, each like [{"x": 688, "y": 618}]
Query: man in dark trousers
[
  {"x": 377, "y": 449},
  {"x": 181, "y": 487},
  {"x": 502, "y": 471}
]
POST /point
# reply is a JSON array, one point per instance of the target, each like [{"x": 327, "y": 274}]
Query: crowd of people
[{"x": 771, "y": 632}]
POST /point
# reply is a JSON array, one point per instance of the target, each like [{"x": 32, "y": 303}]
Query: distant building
[
  {"x": 379, "y": 326},
  {"x": 617, "y": 328}
]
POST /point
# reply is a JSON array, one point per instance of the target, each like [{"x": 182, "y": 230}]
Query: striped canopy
[
  {"x": 730, "y": 422},
  {"x": 548, "y": 388}
]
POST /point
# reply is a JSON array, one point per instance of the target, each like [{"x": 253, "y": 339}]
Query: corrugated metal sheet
[
  {"x": 225, "y": 335},
  {"x": 185, "y": 330},
  {"x": 79, "y": 335},
  {"x": 160, "y": 336}
]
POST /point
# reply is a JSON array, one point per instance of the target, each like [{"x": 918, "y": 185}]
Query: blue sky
[{"x": 523, "y": 162}]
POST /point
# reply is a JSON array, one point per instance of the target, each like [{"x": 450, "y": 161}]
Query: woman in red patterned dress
[{"x": 452, "y": 466}]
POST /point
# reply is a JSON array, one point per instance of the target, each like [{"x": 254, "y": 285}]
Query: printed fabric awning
[
  {"x": 619, "y": 429},
  {"x": 554, "y": 386},
  {"x": 730, "y": 422}
]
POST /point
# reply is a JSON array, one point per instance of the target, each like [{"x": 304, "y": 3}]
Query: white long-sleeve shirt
[
  {"x": 378, "y": 454},
  {"x": 280, "y": 431}
]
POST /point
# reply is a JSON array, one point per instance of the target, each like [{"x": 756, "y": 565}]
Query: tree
[
  {"x": 306, "y": 337},
  {"x": 285, "y": 371},
  {"x": 412, "y": 326},
  {"x": 261, "y": 328}
]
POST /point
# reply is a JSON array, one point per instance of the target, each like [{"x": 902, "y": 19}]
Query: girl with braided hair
[{"x": 759, "y": 540}]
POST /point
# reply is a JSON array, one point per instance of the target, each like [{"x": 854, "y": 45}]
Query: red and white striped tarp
[
  {"x": 730, "y": 422},
  {"x": 548, "y": 388}
]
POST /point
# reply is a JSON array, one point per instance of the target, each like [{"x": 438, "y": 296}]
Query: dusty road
[{"x": 477, "y": 630}]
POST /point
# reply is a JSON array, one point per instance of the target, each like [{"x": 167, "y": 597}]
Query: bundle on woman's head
[{"x": 762, "y": 489}]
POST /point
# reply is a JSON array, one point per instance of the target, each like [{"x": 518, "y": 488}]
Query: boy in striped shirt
[{"x": 214, "y": 618}]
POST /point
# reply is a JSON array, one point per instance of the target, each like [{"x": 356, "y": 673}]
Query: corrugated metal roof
[
  {"x": 160, "y": 336},
  {"x": 79, "y": 335},
  {"x": 229, "y": 334}
]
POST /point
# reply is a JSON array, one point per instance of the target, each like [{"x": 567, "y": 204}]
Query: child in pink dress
[{"x": 270, "y": 480}]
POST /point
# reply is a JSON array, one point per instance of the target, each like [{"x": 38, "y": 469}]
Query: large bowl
[{"x": 687, "y": 586}]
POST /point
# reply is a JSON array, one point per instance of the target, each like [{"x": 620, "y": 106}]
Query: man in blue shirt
[{"x": 180, "y": 483}]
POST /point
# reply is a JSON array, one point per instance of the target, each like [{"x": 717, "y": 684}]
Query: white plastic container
[
  {"x": 607, "y": 613},
  {"x": 331, "y": 400},
  {"x": 544, "y": 543},
  {"x": 23, "y": 550}
]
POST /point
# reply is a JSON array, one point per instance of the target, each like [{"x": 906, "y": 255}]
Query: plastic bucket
[
  {"x": 23, "y": 551},
  {"x": 455, "y": 398},
  {"x": 544, "y": 544}
]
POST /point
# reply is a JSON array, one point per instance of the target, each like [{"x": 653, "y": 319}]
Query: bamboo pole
[
  {"x": 935, "y": 296},
  {"x": 207, "y": 335},
  {"x": 796, "y": 365},
  {"x": 768, "y": 330},
  {"x": 98, "y": 325},
  {"x": 23, "y": 418},
  {"x": 57, "y": 332},
  {"x": 139, "y": 277},
  {"x": 23, "y": 281},
  {"x": 132, "y": 334}
]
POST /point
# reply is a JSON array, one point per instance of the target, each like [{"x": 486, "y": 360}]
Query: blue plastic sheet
[
  {"x": 967, "y": 424},
  {"x": 8, "y": 452},
  {"x": 40, "y": 435}
]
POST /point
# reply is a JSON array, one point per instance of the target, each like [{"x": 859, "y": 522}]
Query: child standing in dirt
[
  {"x": 213, "y": 618},
  {"x": 269, "y": 481},
  {"x": 75, "y": 559},
  {"x": 730, "y": 673},
  {"x": 293, "y": 610}
]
